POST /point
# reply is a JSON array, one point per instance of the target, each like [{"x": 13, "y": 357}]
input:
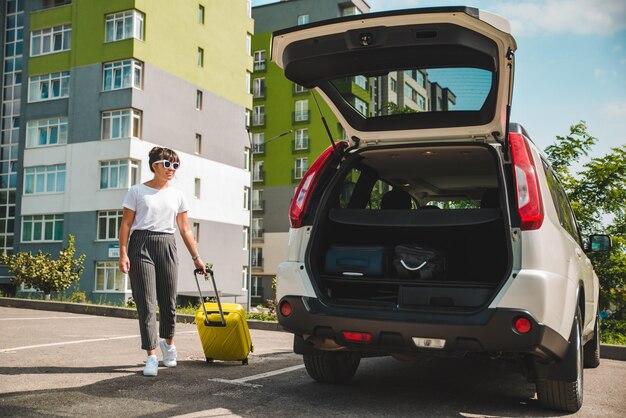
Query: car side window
[{"x": 561, "y": 203}]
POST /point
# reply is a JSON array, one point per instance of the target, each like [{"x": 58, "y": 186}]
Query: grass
[{"x": 613, "y": 331}]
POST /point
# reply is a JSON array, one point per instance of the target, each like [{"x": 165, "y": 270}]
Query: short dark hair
[{"x": 159, "y": 153}]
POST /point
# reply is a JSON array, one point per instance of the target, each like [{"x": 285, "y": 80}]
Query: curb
[
  {"x": 607, "y": 351},
  {"x": 112, "y": 311}
]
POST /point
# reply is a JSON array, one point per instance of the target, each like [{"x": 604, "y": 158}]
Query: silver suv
[{"x": 438, "y": 226}]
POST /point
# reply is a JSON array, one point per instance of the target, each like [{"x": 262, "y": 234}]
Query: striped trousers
[{"x": 153, "y": 278}]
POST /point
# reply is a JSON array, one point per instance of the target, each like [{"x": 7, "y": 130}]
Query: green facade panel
[{"x": 172, "y": 35}]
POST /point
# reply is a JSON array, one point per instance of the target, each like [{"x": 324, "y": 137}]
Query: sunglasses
[{"x": 168, "y": 164}]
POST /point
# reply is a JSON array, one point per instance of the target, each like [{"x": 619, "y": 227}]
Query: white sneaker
[
  {"x": 169, "y": 354},
  {"x": 152, "y": 366}
]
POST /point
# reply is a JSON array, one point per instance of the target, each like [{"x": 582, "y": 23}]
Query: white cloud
[
  {"x": 615, "y": 109},
  {"x": 529, "y": 17},
  {"x": 599, "y": 73}
]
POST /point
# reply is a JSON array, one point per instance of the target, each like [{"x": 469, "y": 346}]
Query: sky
[{"x": 570, "y": 64}]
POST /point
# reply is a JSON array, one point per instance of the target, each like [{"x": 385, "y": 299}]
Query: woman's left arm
[{"x": 185, "y": 231}]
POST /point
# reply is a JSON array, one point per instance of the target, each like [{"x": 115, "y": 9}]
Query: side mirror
[{"x": 599, "y": 243}]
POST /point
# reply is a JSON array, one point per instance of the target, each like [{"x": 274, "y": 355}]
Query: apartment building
[
  {"x": 286, "y": 131},
  {"x": 88, "y": 88}
]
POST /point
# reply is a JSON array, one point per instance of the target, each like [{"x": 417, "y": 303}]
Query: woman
[{"x": 152, "y": 211}]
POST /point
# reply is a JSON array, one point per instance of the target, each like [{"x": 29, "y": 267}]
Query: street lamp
[{"x": 251, "y": 165}]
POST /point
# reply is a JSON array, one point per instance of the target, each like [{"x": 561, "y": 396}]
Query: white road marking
[
  {"x": 46, "y": 317},
  {"x": 27, "y": 347},
  {"x": 243, "y": 381}
]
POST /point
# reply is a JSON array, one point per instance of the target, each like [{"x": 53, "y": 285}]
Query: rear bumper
[{"x": 490, "y": 331}]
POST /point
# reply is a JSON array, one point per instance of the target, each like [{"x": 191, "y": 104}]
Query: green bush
[
  {"x": 78, "y": 297},
  {"x": 613, "y": 331}
]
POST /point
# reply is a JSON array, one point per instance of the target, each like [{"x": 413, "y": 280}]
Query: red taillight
[
  {"x": 285, "y": 308},
  {"x": 529, "y": 202},
  {"x": 301, "y": 198},
  {"x": 522, "y": 325},
  {"x": 357, "y": 337}
]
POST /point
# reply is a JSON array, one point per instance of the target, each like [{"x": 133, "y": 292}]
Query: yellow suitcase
[{"x": 223, "y": 328}]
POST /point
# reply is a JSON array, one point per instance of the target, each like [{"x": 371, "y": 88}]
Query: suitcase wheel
[
  {"x": 209, "y": 360},
  {"x": 245, "y": 361}
]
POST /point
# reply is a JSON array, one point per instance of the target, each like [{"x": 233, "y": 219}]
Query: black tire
[
  {"x": 566, "y": 395},
  {"x": 591, "y": 351},
  {"x": 332, "y": 366}
]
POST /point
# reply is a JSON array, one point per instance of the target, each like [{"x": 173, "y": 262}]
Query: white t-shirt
[{"x": 155, "y": 210}]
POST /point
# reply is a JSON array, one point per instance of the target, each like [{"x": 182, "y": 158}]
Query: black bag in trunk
[{"x": 416, "y": 262}]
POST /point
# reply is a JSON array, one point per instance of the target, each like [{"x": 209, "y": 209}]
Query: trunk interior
[{"x": 454, "y": 216}]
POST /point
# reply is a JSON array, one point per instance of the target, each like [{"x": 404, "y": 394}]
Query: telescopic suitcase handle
[{"x": 209, "y": 272}]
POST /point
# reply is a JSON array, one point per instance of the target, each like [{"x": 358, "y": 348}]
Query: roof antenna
[{"x": 330, "y": 136}]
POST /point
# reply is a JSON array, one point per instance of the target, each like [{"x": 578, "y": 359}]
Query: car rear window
[{"x": 416, "y": 90}]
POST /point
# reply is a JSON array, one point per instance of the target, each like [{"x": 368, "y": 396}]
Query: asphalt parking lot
[{"x": 60, "y": 364}]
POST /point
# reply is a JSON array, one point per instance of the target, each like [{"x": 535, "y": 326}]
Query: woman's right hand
[{"x": 124, "y": 264}]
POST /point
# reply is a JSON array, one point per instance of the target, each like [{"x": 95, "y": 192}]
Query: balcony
[
  {"x": 300, "y": 145},
  {"x": 260, "y": 66},
  {"x": 258, "y": 205},
  {"x": 301, "y": 116},
  {"x": 259, "y": 93},
  {"x": 257, "y": 262},
  {"x": 258, "y": 176},
  {"x": 258, "y": 120},
  {"x": 258, "y": 149},
  {"x": 257, "y": 234}
]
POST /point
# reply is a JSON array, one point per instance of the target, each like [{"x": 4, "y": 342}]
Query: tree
[
  {"x": 598, "y": 196},
  {"x": 42, "y": 273}
]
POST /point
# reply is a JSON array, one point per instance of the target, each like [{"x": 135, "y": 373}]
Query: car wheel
[
  {"x": 592, "y": 348},
  {"x": 332, "y": 366},
  {"x": 566, "y": 395}
]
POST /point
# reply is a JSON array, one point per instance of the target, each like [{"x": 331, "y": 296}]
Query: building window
[
  {"x": 248, "y": 82},
  {"x": 244, "y": 275},
  {"x": 118, "y": 174},
  {"x": 258, "y": 116},
  {"x": 198, "y": 144},
  {"x": 302, "y": 111},
  {"x": 361, "y": 81},
  {"x": 246, "y": 237},
  {"x": 257, "y": 199},
  {"x": 394, "y": 85},
  {"x": 258, "y": 174},
  {"x": 258, "y": 143},
  {"x": 246, "y": 198},
  {"x": 196, "y": 231},
  {"x": 297, "y": 88},
  {"x": 122, "y": 75},
  {"x": 50, "y": 40},
  {"x": 43, "y": 132},
  {"x": 109, "y": 222},
  {"x": 246, "y": 159},
  {"x": 109, "y": 278},
  {"x": 350, "y": 11},
  {"x": 257, "y": 228},
  {"x": 40, "y": 228},
  {"x": 249, "y": 45},
  {"x": 197, "y": 186},
  {"x": 200, "y": 57},
  {"x": 259, "y": 61},
  {"x": 257, "y": 289},
  {"x": 302, "y": 164},
  {"x": 360, "y": 106},
  {"x": 124, "y": 123},
  {"x": 201, "y": 14},
  {"x": 44, "y": 179},
  {"x": 124, "y": 25},
  {"x": 198, "y": 100},
  {"x": 258, "y": 88},
  {"x": 257, "y": 257},
  {"x": 48, "y": 86},
  {"x": 301, "y": 139},
  {"x": 303, "y": 19}
]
